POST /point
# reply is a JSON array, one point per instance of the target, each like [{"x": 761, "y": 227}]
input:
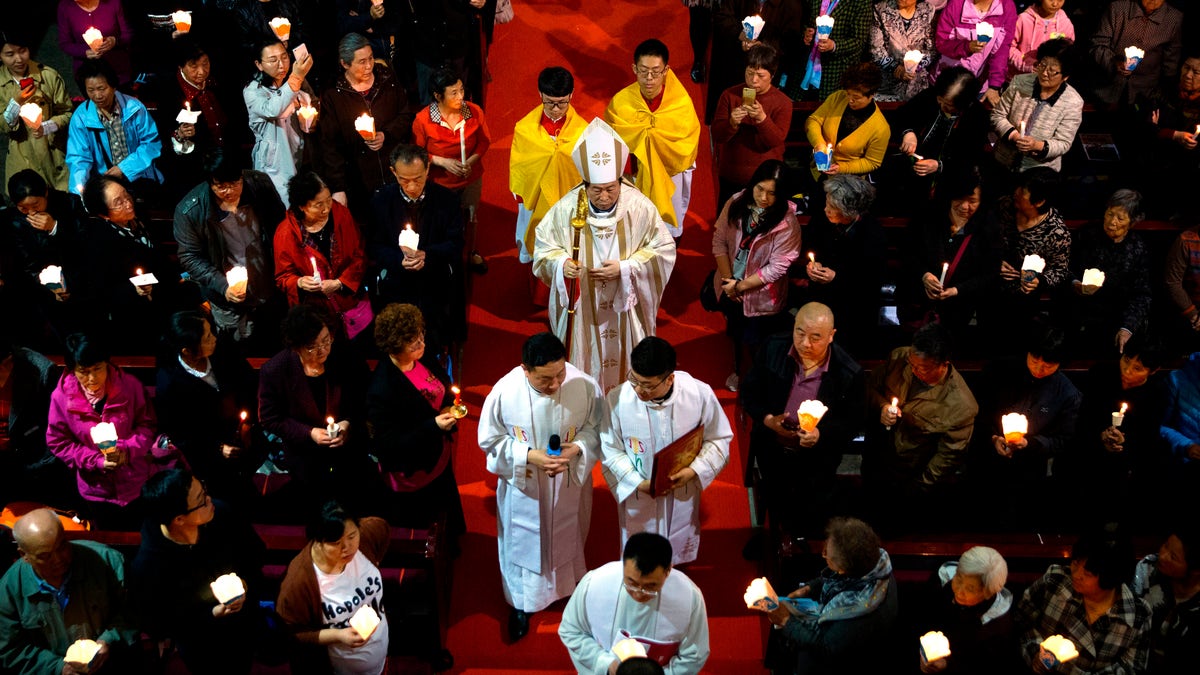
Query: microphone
[{"x": 555, "y": 446}]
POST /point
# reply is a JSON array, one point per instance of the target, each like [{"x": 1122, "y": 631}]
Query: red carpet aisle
[{"x": 594, "y": 39}]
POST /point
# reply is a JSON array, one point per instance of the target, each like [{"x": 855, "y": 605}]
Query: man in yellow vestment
[
  {"x": 658, "y": 122},
  {"x": 607, "y": 277},
  {"x": 540, "y": 168}
]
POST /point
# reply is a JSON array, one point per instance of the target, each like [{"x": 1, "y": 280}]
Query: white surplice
[
  {"x": 601, "y": 608},
  {"x": 636, "y": 432},
  {"x": 611, "y": 317},
  {"x": 542, "y": 522}
]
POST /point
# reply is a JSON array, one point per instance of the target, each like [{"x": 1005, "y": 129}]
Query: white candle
[
  {"x": 94, "y": 38},
  {"x": 1014, "y": 426},
  {"x": 365, "y": 126},
  {"x": 281, "y": 27},
  {"x": 237, "y": 279},
  {"x": 628, "y": 648},
  {"x": 187, "y": 115},
  {"x": 752, "y": 26},
  {"x": 82, "y": 652},
  {"x": 1118, "y": 418},
  {"x": 227, "y": 588},
  {"x": 409, "y": 238},
  {"x": 809, "y": 413},
  {"x": 945, "y": 268},
  {"x": 1063, "y": 649},
  {"x": 760, "y": 595},
  {"x": 365, "y": 621},
  {"x": 934, "y": 646},
  {"x": 316, "y": 272},
  {"x": 32, "y": 114},
  {"x": 462, "y": 141},
  {"x": 331, "y": 427},
  {"x": 1093, "y": 277},
  {"x": 893, "y": 409},
  {"x": 1022, "y": 127},
  {"x": 183, "y": 21}
]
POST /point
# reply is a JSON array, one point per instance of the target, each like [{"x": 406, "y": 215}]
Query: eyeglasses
[
  {"x": 203, "y": 500},
  {"x": 275, "y": 60},
  {"x": 926, "y": 367},
  {"x": 226, "y": 187},
  {"x": 556, "y": 105},
  {"x": 650, "y": 73},
  {"x": 646, "y": 386},
  {"x": 1043, "y": 69},
  {"x": 638, "y": 590},
  {"x": 320, "y": 345}
]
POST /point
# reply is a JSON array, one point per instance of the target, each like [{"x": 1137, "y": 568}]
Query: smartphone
[
  {"x": 26, "y": 82},
  {"x": 747, "y": 96},
  {"x": 301, "y": 52}
]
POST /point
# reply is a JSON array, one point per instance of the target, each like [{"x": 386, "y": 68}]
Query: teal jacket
[{"x": 35, "y": 633}]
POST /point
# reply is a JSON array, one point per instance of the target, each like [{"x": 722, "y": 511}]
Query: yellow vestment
[{"x": 540, "y": 168}]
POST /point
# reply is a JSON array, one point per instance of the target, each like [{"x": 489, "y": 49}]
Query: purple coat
[
  {"x": 69, "y": 436},
  {"x": 956, "y": 29}
]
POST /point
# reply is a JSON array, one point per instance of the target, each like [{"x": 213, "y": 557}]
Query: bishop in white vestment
[
  {"x": 653, "y": 408},
  {"x": 543, "y": 502},
  {"x": 615, "y": 280}
]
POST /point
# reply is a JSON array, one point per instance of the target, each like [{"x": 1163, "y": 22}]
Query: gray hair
[
  {"x": 851, "y": 195},
  {"x": 987, "y": 564},
  {"x": 349, "y": 44},
  {"x": 1130, "y": 200}
]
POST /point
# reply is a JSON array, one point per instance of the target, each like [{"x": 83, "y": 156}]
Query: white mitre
[{"x": 600, "y": 153}]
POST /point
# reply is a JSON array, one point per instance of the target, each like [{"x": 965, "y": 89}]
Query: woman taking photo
[
  {"x": 41, "y": 147},
  {"x": 411, "y": 425},
  {"x": 755, "y": 240},
  {"x": 280, "y": 133}
]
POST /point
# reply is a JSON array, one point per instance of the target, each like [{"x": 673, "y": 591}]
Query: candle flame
[
  {"x": 244, "y": 415},
  {"x": 895, "y": 401},
  {"x": 329, "y": 420},
  {"x": 812, "y": 257},
  {"x": 455, "y": 390},
  {"x": 138, "y": 271},
  {"x": 1124, "y": 407}
]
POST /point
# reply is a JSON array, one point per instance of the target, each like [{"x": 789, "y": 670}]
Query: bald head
[
  {"x": 37, "y": 528},
  {"x": 813, "y": 333},
  {"x": 40, "y": 540},
  {"x": 815, "y": 311}
]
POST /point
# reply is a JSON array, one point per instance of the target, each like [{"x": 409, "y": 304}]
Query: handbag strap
[{"x": 958, "y": 256}]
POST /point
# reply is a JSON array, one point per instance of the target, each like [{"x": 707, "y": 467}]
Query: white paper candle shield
[
  {"x": 51, "y": 277},
  {"x": 1118, "y": 417},
  {"x": 307, "y": 115},
  {"x": 227, "y": 588},
  {"x": 752, "y": 26},
  {"x": 32, "y": 114},
  {"x": 365, "y": 621},
  {"x": 824, "y": 26},
  {"x": 1063, "y": 649},
  {"x": 141, "y": 279},
  {"x": 104, "y": 435},
  {"x": 1015, "y": 426},
  {"x": 282, "y": 28},
  {"x": 409, "y": 238},
  {"x": 1093, "y": 277},
  {"x": 984, "y": 32},
  {"x": 93, "y": 37},
  {"x": 183, "y": 21},
  {"x": 809, "y": 413},
  {"x": 628, "y": 648},
  {"x": 759, "y": 595},
  {"x": 365, "y": 126},
  {"x": 237, "y": 278},
  {"x": 911, "y": 59},
  {"x": 187, "y": 115},
  {"x": 82, "y": 652},
  {"x": 1133, "y": 56},
  {"x": 935, "y": 645},
  {"x": 1033, "y": 263}
]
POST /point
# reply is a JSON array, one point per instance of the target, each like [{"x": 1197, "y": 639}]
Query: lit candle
[
  {"x": 82, "y": 652},
  {"x": 1032, "y": 266},
  {"x": 94, "y": 38},
  {"x": 1093, "y": 277},
  {"x": 1195, "y": 134},
  {"x": 307, "y": 114},
  {"x": 242, "y": 417},
  {"x": 459, "y": 409},
  {"x": 1060, "y": 649},
  {"x": 365, "y": 621},
  {"x": 237, "y": 279},
  {"x": 140, "y": 278},
  {"x": 809, "y": 413},
  {"x": 227, "y": 588},
  {"x": 104, "y": 435},
  {"x": 365, "y": 126},
  {"x": 187, "y": 115},
  {"x": 51, "y": 277},
  {"x": 911, "y": 58},
  {"x": 316, "y": 272},
  {"x": 984, "y": 32},
  {"x": 945, "y": 268},
  {"x": 1022, "y": 127},
  {"x": 281, "y": 27},
  {"x": 934, "y": 646},
  {"x": 1118, "y": 418},
  {"x": 183, "y": 21},
  {"x": 1015, "y": 426},
  {"x": 457, "y": 394},
  {"x": 462, "y": 141},
  {"x": 824, "y": 26},
  {"x": 893, "y": 409},
  {"x": 1133, "y": 56},
  {"x": 752, "y": 26},
  {"x": 31, "y": 113},
  {"x": 331, "y": 427},
  {"x": 812, "y": 257},
  {"x": 409, "y": 238},
  {"x": 760, "y": 595},
  {"x": 628, "y": 648}
]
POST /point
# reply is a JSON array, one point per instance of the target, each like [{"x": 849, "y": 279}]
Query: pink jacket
[
  {"x": 956, "y": 29},
  {"x": 1030, "y": 32},
  {"x": 69, "y": 436},
  {"x": 771, "y": 254}
]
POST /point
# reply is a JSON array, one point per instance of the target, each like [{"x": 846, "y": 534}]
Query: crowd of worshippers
[{"x": 341, "y": 228}]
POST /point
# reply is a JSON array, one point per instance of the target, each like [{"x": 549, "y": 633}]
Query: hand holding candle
[
  {"x": 237, "y": 279},
  {"x": 1057, "y": 649},
  {"x": 912, "y": 58},
  {"x": 93, "y": 38},
  {"x": 893, "y": 410},
  {"x": 934, "y": 646},
  {"x": 809, "y": 413},
  {"x": 1014, "y": 426},
  {"x": 824, "y": 26},
  {"x": 409, "y": 239},
  {"x": 459, "y": 409},
  {"x": 365, "y": 126},
  {"x": 365, "y": 621},
  {"x": 81, "y": 653},
  {"x": 228, "y": 588},
  {"x": 332, "y": 428},
  {"x": 1118, "y": 417},
  {"x": 31, "y": 113}
]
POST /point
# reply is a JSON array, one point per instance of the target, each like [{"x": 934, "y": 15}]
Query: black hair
[
  {"x": 95, "y": 68},
  {"x": 1147, "y": 349},
  {"x": 960, "y": 86},
  {"x": 302, "y": 189},
  {"x": 639, "y": 665},
  {"x": 186, "y": 48},
  {"x": 261, "y": 76},
  {"x": 556, "y": 81},
  {"x": 84, "y": 350},
  {"x": 542, "y": 348},
  {"x": 652, "y": 47},
  {"x": 407, "y": 153},
  {"x": 27, "y": 183},
  {"x": 441, "y": 80},
  {"x": 763, "y": 56},
  {"x": 18, "y": 38},
  {"x": 185, "y": 330},
  {"x": 165, "y": 495},
  {"x": 865, "y": 77},
  {"x": 648, "y": 551},
  {"x": 1187, "y": 532},
  {"x": 857, "y": 544},
  {"x": 222, "y": 167},
  {"x": 329, "y": 523},
  {"x": 302, "y": 325},
  {"x": 1063, "y": 50},
  {"x": 94, "y": 199},
  {"x": 771, "y": 169},
  {"x": 960, "y": 184},
  {"x": 653, "y": 357},
  {"x": 1043, "y": 184},
  {"x": 1107, "y": 552},
  {"x": 1050, "y": 344},
  {"x": 932, "y": 341}
]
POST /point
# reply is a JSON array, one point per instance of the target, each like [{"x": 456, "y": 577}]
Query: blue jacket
[
  {"x": 1181, "y": 422},
  {"x": 85, "y": 158}
]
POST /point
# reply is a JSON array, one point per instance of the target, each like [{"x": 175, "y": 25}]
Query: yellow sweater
[{"x": 859, "y": 153}]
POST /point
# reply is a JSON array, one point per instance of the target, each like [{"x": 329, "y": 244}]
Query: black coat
[{"x": 929, "y": 244}]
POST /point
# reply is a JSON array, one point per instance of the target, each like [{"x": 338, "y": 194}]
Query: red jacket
[{"x": 293, "y": 259}]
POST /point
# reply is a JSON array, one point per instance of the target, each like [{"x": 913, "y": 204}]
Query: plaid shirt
[
  {"x": 1116, "y": 644},
  {"x": 115, "y": 126}
]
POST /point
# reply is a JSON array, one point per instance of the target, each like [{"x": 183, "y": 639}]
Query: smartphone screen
[{"x": 26, "y": 82}]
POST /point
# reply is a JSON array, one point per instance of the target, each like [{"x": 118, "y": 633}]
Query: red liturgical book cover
[
  {"x": 658, "y": 650},
  {"x": 678, "y": 455}
]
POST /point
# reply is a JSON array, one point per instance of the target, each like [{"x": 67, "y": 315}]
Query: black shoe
[
  {"x": 518, "y": 625},
  {"x": 477, "y": 263},
  {"x": 698, "y": 74}
]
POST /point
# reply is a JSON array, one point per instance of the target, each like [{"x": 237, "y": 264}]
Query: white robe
[
  {"x": 636, "y": 432},
  {"x": 611, "y": 317},
  {"x": 601, "y": 608},
  {"x": 542, "y": 522}
]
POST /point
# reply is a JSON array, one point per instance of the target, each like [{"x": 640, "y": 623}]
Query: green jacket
[
  {"x": 35, "y": 633},
  {"x": 45, "y": 155}
]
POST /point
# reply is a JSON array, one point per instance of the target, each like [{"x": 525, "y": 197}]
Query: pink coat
[
  {"x": 69, "y": 436},
  {"x": 956, "y": 29},
  {"x": 1031, "y": 31},
  {"x": 771, "y": 253}
]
